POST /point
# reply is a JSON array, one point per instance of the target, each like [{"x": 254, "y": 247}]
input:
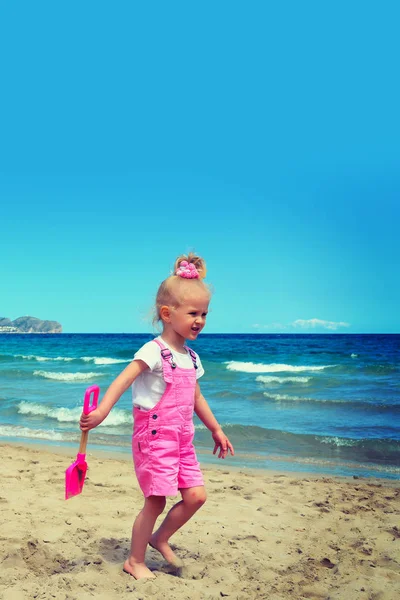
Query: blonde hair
[{"x": 172, "y": 290}]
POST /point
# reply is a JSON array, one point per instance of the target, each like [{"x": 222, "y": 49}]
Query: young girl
[{"x": 164, "y": 374}]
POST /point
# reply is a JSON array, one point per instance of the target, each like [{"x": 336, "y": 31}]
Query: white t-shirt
[{"x": 149, "y": 386}]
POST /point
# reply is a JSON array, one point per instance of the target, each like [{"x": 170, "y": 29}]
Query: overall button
[
  {"x": 154, "y": 416},
  {"x": 154, "y": 432}
]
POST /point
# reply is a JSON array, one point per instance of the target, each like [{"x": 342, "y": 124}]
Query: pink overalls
[{"x": 162, "y": 443}]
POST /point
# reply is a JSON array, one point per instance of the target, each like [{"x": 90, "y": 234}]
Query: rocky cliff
[{"x": 29, "y": 325}]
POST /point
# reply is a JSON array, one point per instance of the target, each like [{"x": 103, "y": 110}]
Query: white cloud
[{"x": 312, "y": 323}]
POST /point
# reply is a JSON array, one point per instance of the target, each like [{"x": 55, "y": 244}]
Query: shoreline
[
  {"x": 260, "y": 535},
  {"x": 226, "y": 465},
  {"x": 295, "y": 467}
]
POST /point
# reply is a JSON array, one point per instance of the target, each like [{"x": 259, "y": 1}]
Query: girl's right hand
[{"x": 91, "y": 420}]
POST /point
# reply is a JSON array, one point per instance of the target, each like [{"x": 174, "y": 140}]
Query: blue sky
[{"x": 265, "y": 137}]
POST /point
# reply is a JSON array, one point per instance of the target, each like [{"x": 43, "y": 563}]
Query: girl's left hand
[{"x": 222, "y": 442}]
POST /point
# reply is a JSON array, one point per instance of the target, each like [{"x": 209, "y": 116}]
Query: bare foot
[
  {"x": 138, "y": 570},
  {"x": 165, "y": 549}
]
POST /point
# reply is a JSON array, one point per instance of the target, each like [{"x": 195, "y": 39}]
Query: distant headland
[{"x": 29, "y": 325}]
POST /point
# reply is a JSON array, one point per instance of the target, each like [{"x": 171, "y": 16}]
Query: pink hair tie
[{"x": 187, "y": 270}]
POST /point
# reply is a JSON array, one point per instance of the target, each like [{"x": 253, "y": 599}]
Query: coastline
[
  {"x": 261, "y": 534},
  {"x": 228, "y": 464},
  {"x": 242, "y": 461}
]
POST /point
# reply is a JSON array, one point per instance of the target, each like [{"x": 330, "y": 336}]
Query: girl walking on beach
[{"x": 164, "y": 374}]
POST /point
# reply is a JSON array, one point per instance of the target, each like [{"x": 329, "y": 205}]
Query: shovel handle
[
  {"x": 87, "y": 407},
  {"x": 83, "y": 442}
]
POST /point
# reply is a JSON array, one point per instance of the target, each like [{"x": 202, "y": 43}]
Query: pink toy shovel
[{"x": 76, "y": 473}]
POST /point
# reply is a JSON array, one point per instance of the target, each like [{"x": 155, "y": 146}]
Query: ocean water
[{"x": 307, "y": 403}]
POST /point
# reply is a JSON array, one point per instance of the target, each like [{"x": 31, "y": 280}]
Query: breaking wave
[
  {"x": 250, "y": 367},
  {"x": 322, "y": 402},
  {"x": 68, "y": 377},
  {"x": 38, "y": 434},
  {"x": 71, "y": 415},
  {"x": 272, "y": 379},
  {"x": 97, "y": 360},
  {"x": 102, "y": 360}
]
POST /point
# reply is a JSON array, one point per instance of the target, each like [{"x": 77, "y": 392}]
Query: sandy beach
[{"x": 260, "y": 535}]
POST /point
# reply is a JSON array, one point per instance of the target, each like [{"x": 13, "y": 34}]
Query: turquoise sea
[{"x": 309, "y": 403}]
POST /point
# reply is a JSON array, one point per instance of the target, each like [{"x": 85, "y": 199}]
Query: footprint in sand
[
  {"x": 114, "y": 550},
  {"x": 328, "y": 564}
]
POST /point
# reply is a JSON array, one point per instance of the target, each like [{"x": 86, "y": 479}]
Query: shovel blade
[{"x": 75, "y": 478}]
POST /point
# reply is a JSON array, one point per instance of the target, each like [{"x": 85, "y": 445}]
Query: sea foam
[
  {"x": 272, "y": 379},
  {"x": 68, "y": 377},
  {"x": 97, "y": 360},
  {"x": 283, "y": 397},
  {"x": 69, "y": 415},
  {"x": 338, "y": 442},
  {"x": 250, "y": 367},
  {"x": 103, "y": 360},
  {"x": 60, "y": 414},
  {"x": 25, "y": 432},
  {"x": 45, "y": 358}
]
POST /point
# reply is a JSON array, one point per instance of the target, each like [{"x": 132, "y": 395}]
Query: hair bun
[{"x": 186, "y": 262}]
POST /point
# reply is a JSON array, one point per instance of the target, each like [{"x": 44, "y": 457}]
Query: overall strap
[
  {"x": 167, "y": 362},
  {"x": 192, "y": 356}
]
